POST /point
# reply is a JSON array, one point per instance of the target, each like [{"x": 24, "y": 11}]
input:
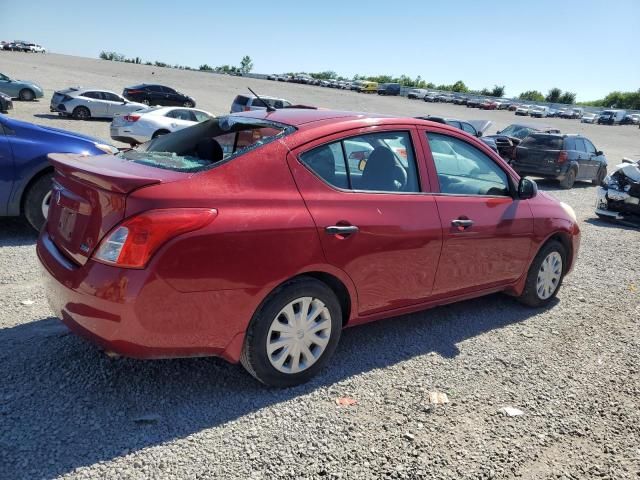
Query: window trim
[
  {"x": 359, "y": 132},
  {"x": 460, "y": 135}
]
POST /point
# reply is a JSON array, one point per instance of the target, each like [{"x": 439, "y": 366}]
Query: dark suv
[
  {"x": 566, "y": 158},
  {"x": 158, "y": 95},
  {"x": 389, "y": 89}
]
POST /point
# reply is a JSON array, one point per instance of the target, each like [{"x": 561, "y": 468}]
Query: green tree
[
  {"x": 498, "y": 91},
  {"x": 568, "y": 98},
  {"x": 459, "y": 86},
  {"x": 246, "y": 64},
  {"x": 532, "y": 96},
  {"x": 205, "y": 68},
  {"x": 554, "y": 95},
  {"x": 485, "y": 92}
]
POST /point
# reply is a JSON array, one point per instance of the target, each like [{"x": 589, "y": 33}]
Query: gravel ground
[{"x": 66, "y": 410}]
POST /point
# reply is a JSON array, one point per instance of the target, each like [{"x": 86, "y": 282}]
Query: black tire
[
  {"x": 81, "y": 113},
  {"x": 26, "y": 95},
  {"x": 188, "y": 104},
  {"x": 255, "y": 358},
  {"x": 602, "y": 172},
  {"x": 159, "y": 133},
  {"x": 32, "y": 205},
  {"x": 569, "y": 179},
  {"x": 146, "y": 101},
  {"x": 530, "y": 295}
]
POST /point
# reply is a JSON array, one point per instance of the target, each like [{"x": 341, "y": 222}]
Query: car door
[
  {"x": 115, "y": 104},
  {"x": 375, "y": 222},
  {"x": 171, "y": 96},
  {"x": 7, "y": 86},
  {"x": 157, "y": 96},
  {"x": 487, "y": 232},
  {"x": 180, "y": 118},
  {"x": 7, "y": 171},
  {"x": 595, "y": 160},
  {"x": 583, "y": 158},
  {"x": 94, "y": 102}
]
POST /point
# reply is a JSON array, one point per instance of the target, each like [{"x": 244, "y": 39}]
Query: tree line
[{"x": 246, "y": 64}]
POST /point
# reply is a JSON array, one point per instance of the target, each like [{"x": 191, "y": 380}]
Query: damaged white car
[{"x": 618, "y": 197}]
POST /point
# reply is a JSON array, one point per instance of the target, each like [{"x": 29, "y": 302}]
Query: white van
[
  {"x": 611, "y": 117},
  {"x": 539, "y": 112}
]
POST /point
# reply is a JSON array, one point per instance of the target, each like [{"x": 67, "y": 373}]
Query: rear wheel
[
  {"x": 146, "y": 101},
  {"x": 569, "y": 179},
  {"x": 159, "y": 133},
  {"x": 37, "y": 200},
  {"x": 294, "y": 333},
  {"x": 81, "y": 113},
  {"x": 545, "y": 275},
  {"x": 602, "y": 172},
  {"x": 26, "y": 95}
]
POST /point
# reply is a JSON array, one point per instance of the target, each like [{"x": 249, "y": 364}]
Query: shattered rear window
[{"x": 196, "y": 148}]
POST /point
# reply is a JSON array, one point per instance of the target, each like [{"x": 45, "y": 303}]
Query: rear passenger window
[
  {"x": 464, "y": 170},
  {"x": 381, "y": 162},
  {"x": 580, "y": 145},
  {"x": 467, "y": 127}
]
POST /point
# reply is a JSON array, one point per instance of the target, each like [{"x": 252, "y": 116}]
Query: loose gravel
[{"x": 67, "y": 410}]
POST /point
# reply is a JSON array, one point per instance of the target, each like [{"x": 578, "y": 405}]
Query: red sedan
[{"x": 257, "y": 237}]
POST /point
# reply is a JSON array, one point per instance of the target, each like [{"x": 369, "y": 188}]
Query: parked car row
[{"x": 20, "y": 46}]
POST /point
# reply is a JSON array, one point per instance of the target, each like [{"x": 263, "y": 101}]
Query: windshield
[
  {"x": 517, "y": 131},
  {"x": 210, "y": 142}
]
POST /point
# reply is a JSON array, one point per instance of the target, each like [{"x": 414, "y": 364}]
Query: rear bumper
[{"x": 136, "y": 314}]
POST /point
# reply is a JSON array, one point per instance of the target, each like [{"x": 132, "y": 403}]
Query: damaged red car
[{"x": 259, "y": 236}]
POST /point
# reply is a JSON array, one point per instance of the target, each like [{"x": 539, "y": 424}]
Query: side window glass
[
  {"x": 580, "y": 145},
  {"x": 328, "y": 163},
  {"x": 201, "y": 116},
  {"x": 464, "y": 170},
  {"x": 590, "y": 148},
  {"x": 383, "y": 162},
  {"x": 467, "y": 127}
]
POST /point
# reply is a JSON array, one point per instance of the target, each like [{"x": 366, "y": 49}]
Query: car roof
[{"x": 301, "y": 116}]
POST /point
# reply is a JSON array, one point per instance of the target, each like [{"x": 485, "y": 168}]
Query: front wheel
[
  {"x": 545, "y": 275},
  {"x": 26, "y": 95},
  {"x": 37, "y": 200},
  {"x": 293, "y": 334},
  {"x": 188, "y": 104}
]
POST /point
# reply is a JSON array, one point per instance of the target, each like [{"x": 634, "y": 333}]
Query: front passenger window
[{"x": 465, "y": 170}]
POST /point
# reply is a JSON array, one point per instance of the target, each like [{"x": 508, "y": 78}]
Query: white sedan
[{"x": 142, "y": 126}]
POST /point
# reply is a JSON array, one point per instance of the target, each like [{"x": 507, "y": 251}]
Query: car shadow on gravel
[
  {"x": 16, "y": 232},
  {"x": 547, "y": 184},
  {"x": 64, "y": 404},
  {"x": 55, "y": 116}
]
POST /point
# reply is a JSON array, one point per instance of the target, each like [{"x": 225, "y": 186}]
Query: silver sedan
[{"x": 85, "y": 103}]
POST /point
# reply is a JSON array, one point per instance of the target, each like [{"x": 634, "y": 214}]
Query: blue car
[{"x": 25, "y": 172}]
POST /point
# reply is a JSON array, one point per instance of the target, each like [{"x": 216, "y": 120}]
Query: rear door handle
[
  {"x": 462, "y": 223},
  {"x": 341, "y": 230}
]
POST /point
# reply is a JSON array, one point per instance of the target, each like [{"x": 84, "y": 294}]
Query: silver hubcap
[
  {"x": 45, "y": 205},
  {"x": 299, "y": 335},
  {"x": 549, "y": 275}
]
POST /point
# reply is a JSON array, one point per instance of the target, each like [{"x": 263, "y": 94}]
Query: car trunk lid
[{"x": 89, "y": 198}]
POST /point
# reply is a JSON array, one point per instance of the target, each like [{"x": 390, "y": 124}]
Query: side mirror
[
  {"x": 599, "y": 152},
  {"x": 498, "y": 132},
  {"x": 527, "y": 188}
]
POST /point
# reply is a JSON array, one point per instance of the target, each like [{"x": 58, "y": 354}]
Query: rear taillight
[
  {"x": 132, "y": 243},
  {"x": 562, "y": 157},
  {"x": 131, "y": 118}
]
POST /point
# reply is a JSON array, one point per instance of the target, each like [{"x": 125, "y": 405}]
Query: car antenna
[{"x": 269, "y": 107}]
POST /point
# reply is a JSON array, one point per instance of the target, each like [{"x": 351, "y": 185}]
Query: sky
[{"x": 589, "y": 47}]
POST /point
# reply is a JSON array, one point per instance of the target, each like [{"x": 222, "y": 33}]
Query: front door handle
[
  {"x": 341, "y": 230},
  {"x": 462, "y": 223}
]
